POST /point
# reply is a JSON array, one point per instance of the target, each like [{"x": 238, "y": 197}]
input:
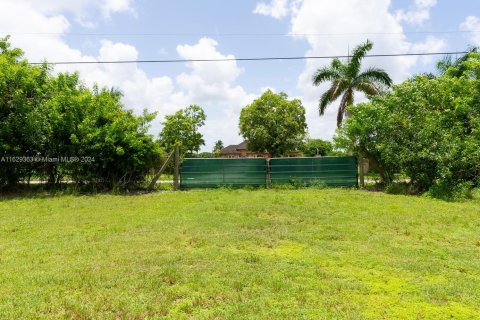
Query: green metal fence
[
  {"x": 331, "y": 171},
  {"x": 214, "y": 173}
]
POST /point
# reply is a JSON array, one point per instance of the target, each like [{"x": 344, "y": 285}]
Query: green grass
[
  {"x": 167, "y": 177},
  {"x": 237, "y": 254}
]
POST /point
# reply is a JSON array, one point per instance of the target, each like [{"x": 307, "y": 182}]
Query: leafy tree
[
  {"x": 123, "y": 152},
  {"x": 218, "y": 147},
  {"x": 428, "y": 129},
  {"x": 182, "y": 127},
  {"x": 274, "y": 124},
  {"x": 205, "y": 155},
  {"x": 317, "y": 147},
  {"x": 346, "y": 78},
  {"x": 57, "y": 117},
  {"x": 23, "y": 127}
]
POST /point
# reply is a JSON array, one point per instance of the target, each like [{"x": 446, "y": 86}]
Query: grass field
[{"x": 223, "y": 254}]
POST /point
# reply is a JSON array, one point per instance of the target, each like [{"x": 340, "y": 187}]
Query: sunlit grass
[{"x": 237, "y": 254}]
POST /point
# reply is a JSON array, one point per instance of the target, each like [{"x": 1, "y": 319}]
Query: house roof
[
  {"x": 235, "y": 148},
  {"x": 242, "y": 146}
]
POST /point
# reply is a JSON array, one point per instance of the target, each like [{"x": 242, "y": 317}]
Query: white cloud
[
  {"x": 156, "y": 94},
  {"x": 81, "y": 9},
  {"x": 21, "y": 17},
  {"x": 418, "y": 14},
  {"x": 277, "y": 9},
  {"x": 113, "y": 6},
  {"x": 210, "y": 71},
  {"x": 208, "y": 84},
  {"x": 431, "y": 44},
  {"x": 472, "y": 24},
  {"x": 212, "y": 85}
]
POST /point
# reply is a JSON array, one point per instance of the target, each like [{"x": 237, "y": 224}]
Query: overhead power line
[
  {"x": 243, "y": 34},
  {"x": 251, "y": 59}
]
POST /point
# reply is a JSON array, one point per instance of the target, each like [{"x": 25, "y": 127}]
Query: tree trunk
[{"x": 377, "y": 166}]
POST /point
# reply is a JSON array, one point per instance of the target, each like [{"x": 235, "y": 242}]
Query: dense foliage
[
  {"x": 217, "y": 148},
  {"x": 54, "y": 128},
  {"x": 182, "y": 128},
  {"x": 274, "y": 124},
  {"x": 427, "y": 128},
  {"x": 316, "y": 147}
]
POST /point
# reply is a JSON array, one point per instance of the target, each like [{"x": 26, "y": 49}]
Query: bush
[
  {"x": 87, "y": 135},
  {"x": 317, "y": 184},
  {"x": 449, "y": 192},
  {"x": 297, "y": 183},
  {"x": 399, "y": 189}
]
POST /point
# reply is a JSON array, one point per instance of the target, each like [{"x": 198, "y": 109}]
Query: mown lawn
[{"x": 223, "y": 254}]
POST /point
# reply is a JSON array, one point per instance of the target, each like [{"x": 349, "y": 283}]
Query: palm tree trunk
[{"x": 347, "y": 100}]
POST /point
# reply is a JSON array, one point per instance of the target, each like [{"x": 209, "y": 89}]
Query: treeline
[
  {"x": 53, "y": 128},
  {"x": 425, "y": 131}
]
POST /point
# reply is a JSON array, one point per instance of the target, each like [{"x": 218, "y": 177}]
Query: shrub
[
  {"x": 449, "y": 192},
  {"x": 93, "y": 138},
  {"x": 399, "y": 188}
]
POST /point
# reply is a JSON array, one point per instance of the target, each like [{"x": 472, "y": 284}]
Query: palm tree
[
  {"x": 456, "y": 67},
  {"x": 346, "y": 78}
]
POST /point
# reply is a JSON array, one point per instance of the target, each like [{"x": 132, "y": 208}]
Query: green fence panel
[
  {"x": 331, "y": 171},
  {"x": 214, "y": 173}
]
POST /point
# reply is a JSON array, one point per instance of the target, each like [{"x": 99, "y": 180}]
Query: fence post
[
  {"x": 362, "y": 173},
  {"x": 268, "y": 181},
  {"x": 159, "y": 173},
  {"x": 176, "y": 171}
]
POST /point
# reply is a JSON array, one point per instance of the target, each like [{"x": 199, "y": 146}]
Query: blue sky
[{"x": 89, "y": 30}]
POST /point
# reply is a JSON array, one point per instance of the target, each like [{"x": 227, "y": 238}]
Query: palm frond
[
  {"x": 332, "y": 94},
  {"x": 337, "y": 64},
  {"x": 375, "y": 76},
  {"x": 368, "y": 88},
  {"x": 325, "y": 100},
  {"x": 358, "y": 54},
  {"x": 443, "y": 65},
  {"x": 325, "y": 74}
]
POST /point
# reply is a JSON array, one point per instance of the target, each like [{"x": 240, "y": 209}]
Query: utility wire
[
  {"x": 146, "y": 34},
  {"x": 250, "y": 59}
]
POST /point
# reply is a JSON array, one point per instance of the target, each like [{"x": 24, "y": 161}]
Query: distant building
[{"x": 241, "y": 151}]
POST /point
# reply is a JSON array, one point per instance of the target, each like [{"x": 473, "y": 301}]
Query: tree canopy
[
  {"x": 218, "y": 147},
  {"x": 182, "y": 127},
  {"x": 274, "y": 124},
  {"x": 316, "y": 147},
  {"x": 53, "y": 127}
]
